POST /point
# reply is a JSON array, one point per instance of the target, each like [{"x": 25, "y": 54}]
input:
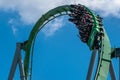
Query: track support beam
[
  {"x": 17, "y": 60},
  {"x": 91, "y": 65},
  {"x": 112, "y": 73}
]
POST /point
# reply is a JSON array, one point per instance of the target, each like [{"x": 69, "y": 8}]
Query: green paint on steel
[
  {"x": 104, "y": 59},
  {"x": 35, "y": 30},
  {"x": 94, "y": 31},
  {"x": 101, "y": 72}
]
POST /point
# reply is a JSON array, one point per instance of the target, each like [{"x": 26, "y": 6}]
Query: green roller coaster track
[{"x": 104, "y": 53}]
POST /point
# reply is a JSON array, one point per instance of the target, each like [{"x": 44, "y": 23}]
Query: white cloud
[
  {"x": 31, "y": 10},
  {"x": 14, "y": 30},
  {"x": 12, "y": 23},
  {"x": 53, "y": 26}
]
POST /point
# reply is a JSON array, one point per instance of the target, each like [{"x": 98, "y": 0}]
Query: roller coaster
[{"x": 91, "y": 32}]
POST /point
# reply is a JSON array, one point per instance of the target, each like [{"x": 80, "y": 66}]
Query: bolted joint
[
  {"x": 115, "y": 53},
  {"x": 24, "y": 44}
]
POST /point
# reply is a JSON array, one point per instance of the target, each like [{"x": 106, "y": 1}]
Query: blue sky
[{"x": 59, "y": 54}]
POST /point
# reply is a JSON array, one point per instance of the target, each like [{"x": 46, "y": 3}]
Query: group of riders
[{"x": 83, "y": 20}]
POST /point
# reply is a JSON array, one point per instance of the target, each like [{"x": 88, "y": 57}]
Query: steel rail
[
  {"x": 38, "y": 26},
  {"x": 104, "y": 55}
]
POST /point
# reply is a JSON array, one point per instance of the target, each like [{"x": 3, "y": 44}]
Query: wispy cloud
[
  {"x": 14, "y": 30},
  {"x": 53, "y": 26},
  {"x": 11, "y": 21},
  {"x": 31, "y": 10},
  {"x": 12, "y": 24}
]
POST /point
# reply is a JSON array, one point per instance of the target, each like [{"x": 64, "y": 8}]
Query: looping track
[{"x": 103, "y": 51}]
